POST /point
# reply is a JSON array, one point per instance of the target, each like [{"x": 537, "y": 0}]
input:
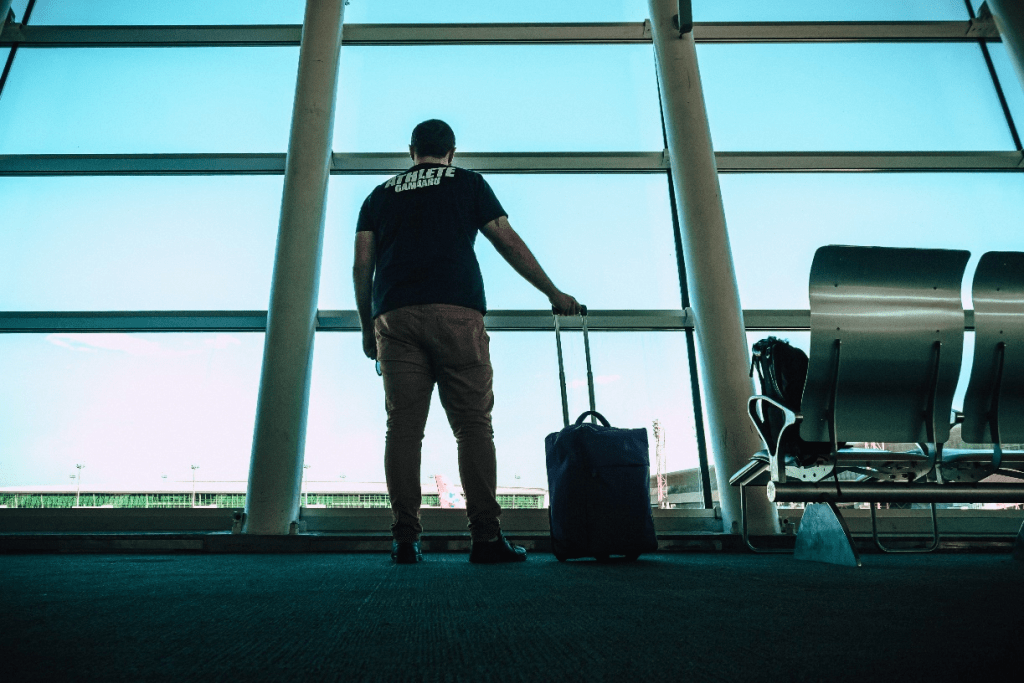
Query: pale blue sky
[{"x": 133, "y": 407}]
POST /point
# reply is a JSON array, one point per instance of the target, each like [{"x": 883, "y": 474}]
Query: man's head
[{"x": 434, "y": 139}]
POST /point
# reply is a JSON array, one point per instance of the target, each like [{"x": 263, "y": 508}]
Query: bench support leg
[
  {"x": 927, "y": 549},
  {"x": 824, "y": 537},
  {"x": 1018, "y": 545}
]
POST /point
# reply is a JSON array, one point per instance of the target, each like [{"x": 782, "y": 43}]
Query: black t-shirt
[{"x": 425, "y": 222}]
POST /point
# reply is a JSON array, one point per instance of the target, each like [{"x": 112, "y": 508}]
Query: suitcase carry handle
[
  {"x": 561, "y": 369},
  {"x": 592, "y": 414}
]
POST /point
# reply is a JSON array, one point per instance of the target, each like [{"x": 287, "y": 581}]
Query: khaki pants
[{"x": 419, "y": 346}]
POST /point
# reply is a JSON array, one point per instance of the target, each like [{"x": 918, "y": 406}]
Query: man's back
[{"x": 425, "y": 222}]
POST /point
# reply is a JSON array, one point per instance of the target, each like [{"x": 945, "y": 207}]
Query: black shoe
[
  {"x": 496, "y": 551},
  {"x": 406, "y": 552}
]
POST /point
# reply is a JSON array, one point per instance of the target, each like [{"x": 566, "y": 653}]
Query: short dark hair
[{"x": 433, "y": 138}]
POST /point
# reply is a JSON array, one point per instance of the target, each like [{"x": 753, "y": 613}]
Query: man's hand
[
  {"x": 370, "y": 344},
  {"x": 565, "y": 304}
]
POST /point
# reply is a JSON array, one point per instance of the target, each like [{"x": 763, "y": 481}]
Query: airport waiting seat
[
  {"x": 887, "y": 332},
  {"x": 993, "y": 411}
]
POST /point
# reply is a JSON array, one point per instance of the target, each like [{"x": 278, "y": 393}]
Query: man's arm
[
  {"x": 362, "y": 279},
  {"x": 514, "y": 250}
]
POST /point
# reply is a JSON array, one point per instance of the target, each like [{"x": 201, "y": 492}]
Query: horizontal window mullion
[
  {"x": 372, "y": 163},
  {"x": 348, "y": 321},
  {"x": 495, "y": 34}
]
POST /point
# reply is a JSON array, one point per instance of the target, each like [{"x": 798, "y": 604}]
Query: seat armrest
[
  {"x": 777, "y": 461},
  {"x": 791, "y": 419}
]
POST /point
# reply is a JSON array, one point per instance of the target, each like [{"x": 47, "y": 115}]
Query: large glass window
[
  {"x": 140, "y": 410},
  {"x": 138, "y": 243},
  {"x": 535, "y": 98},
  {"x": 838, "y": 10},
  {"x": 776, "y": 222},
  {"x": 179, "y": 12},
  {"x": 148, "y": 100},
  {"x": 606, "y": 239},
  {"x": 472, "y": 11},
  {"x": 851, "y": 97},
  {"x": 132, "y": 408},
  {"x": 173, "y": 12},
  {"x": 639, "y": 376}
]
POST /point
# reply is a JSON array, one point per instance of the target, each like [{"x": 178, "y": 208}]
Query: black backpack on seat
[{"x": 782, "y": 370}]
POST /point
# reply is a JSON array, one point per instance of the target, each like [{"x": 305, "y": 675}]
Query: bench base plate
[{"x": 824, "y": 537}]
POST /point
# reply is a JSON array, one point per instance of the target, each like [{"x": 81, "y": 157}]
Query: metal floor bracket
[{"x": 824, "y": 537}]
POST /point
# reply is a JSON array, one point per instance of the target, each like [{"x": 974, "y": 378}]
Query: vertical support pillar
[
  {"x": 275, "y": 470},
  {"x": 1009, "y": 16},
  {"x": 714, "y": 295}
]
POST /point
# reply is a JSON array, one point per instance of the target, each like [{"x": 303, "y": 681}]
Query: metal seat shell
[{"x": 887, "y": 330}]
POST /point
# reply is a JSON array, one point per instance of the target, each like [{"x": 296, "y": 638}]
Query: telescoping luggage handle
[{"x": 561, "y": 366}]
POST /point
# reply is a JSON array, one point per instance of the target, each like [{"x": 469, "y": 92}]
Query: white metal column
[
  {"x": 275, "y": 470},
  {"x": 714, "y": 296},
  {"x": 1009, "y": 16}
]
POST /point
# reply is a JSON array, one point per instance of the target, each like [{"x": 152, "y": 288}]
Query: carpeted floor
[{"x": 670, "y": 617}]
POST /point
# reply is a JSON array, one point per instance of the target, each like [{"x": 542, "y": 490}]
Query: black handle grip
[
  {"x": 596, "y": 414},
  {"x": 583, "y": 310}
]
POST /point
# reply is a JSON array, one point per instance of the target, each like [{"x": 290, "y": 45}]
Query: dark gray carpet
[{"x": 682, "y": 617}]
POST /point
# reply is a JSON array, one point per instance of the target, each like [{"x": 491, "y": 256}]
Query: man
[{"x": 421, "y": 304}]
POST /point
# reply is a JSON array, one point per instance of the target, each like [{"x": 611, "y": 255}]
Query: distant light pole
[
  {"x": 305, "y": 493},
  {"x": 78, "y": 491},
  {"x": 194, "y": 468}
]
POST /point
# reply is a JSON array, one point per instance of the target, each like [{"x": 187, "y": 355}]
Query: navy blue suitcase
[{"x": 598, "y": 482}]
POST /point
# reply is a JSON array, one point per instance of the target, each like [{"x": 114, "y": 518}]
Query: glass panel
[
  {"x": 174, "y": 12},
  {"x": 19, "y": 7},
  {"x": 776, "y": 222},
  {"x": 130, "y": 407},
  {"x": 474, "y": 11},
  {"x": 1009, "y": 82},
  {"x": 138, "y": 243},
  {"x": 606, "y": 239},
  {"x": 533, "y": 98},
  {"x": 148, "y": 100},
  {"x": 841, "y": 10},
  {"x": 856, "y": 97},
  {"x": 346, "y": 423},
  {"x": 639, "y": 377},
  {"x": 182, "y": 12}
]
